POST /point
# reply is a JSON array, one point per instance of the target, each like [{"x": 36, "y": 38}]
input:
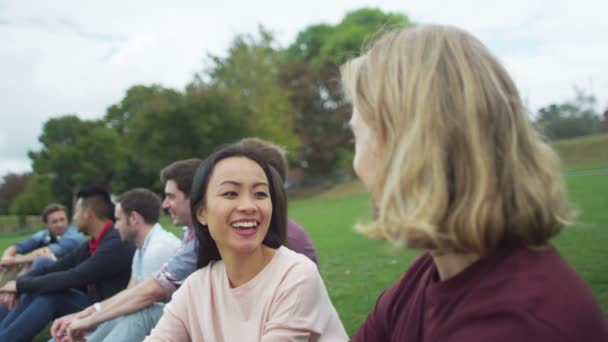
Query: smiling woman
[{"x": 249, "y": 287}]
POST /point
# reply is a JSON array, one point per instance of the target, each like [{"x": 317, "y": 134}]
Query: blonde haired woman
[{"x": 444, "y": 145}]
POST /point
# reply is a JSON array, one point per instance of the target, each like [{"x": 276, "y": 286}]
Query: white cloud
[{"x": 69, "y": 57}]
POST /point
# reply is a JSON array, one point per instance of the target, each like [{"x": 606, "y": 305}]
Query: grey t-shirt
[
  {"x": 158, "y": 247},
  {"x": 173, "y": 273}
]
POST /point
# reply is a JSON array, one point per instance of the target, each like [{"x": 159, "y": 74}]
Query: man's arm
[
  {"x": 31, "y": 243},
  {"x": 109, "y": 260},
  {"x": 125, "y": 302},
  {"x": 10, "y": 258},
  {"x": 159, "y": 287},
  {"x": 132, "y": 282},
  {"x": 82, "y": 322},
  {"x": 129, "y": 300},
  {"x": 71, "y": 240},
  {"x": 9, "y": 252},
  {"x": 31, "y": 256}
]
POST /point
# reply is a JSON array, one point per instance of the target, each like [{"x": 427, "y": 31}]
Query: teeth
[{"x": 243, "y": 224}]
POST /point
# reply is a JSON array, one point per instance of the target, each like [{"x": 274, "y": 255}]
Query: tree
[
  {"x": 12, "y": 185},
  {"x": 250, "y": 73},
  {"x": 311, "y": 76},
  {"x": 34, "y": 198},
  {"x": 78, "y": 152},
  {"x": 161, "y": 125},
  {"x": 118, "y": 115},
  {"x": 573, "y": 118}
]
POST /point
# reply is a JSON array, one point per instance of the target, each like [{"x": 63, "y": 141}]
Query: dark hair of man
[
  {"x": 275, "y": 237},
  {"x": 182, "y": 173},
  {"x": 98, "y": 200},
  {"x": 274, "y": 155},
  {"x": 52, "y": 208},
  {"x": 142, "y": 201}
]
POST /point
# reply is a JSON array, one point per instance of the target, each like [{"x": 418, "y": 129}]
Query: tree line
[{"x": 289, "y": 95}]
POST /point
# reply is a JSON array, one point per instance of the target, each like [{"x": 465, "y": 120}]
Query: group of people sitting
[{"x": 453, "y": 166}]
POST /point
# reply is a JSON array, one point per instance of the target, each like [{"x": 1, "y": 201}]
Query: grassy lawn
[
  {"x": 583, "y": 153},
  {"x": 357, "y": 269}
]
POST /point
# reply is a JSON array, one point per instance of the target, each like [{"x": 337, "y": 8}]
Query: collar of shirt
[
  {"x": 157, "y": 227},
  {"x": 187, "y": 234},
  {"x": 94, "y": 242}
]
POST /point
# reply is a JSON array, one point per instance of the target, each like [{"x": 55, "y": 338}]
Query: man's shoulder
[
  {"x": 37, "y": 238},
  {"x": 162, "y": 241},
  {"x": 159, "y": 235},
  {"x": 72, "y": 233},
  {"x": 40, "y": 234},
  {"x": 112, "y": 238}
]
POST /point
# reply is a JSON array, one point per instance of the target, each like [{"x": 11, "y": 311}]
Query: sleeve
[
  {"x": 67, "y": 244},
  {"x": 65, "y": 263},
  {"x": 159, "y": 254},
  {"x": 180, "y": 266},
  {"x": 172, "y": 326},
  {"x": 31, "y": 243},
  {"x": 375, "y": 327},
  {"x": 302, "y": 310},
  {"x": 112, "y": 258},
  {"x": 299, "y": 241}
]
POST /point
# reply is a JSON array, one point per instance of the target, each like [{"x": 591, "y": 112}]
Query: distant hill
[{"x": 584, "y": 153}]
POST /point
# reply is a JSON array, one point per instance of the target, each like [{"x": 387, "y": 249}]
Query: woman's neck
[
  {"x": 451, "y": 264},
  {"x": 241, "y": 268}
]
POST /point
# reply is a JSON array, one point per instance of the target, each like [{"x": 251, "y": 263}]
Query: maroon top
[
  {"x": 299, "y": 241},
  {"x": 513, "y": 295}
]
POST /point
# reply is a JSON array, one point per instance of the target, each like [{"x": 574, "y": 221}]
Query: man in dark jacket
[{"x": 96, "y": 270}]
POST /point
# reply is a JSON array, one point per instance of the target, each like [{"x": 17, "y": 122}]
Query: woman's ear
[{"x": 201, "y": 215}]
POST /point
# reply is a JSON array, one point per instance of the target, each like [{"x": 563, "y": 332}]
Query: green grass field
[{"x": 356, "y": 269}]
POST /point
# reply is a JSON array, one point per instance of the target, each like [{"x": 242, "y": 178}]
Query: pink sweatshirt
[{"x": 286, "y": 301}]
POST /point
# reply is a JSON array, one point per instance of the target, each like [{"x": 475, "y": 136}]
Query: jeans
[
  {"x": 38, "y": 262},
  {"x": 3, "y": 312},
  {"x": 132, "y": 327},
  {"x": 41, "y": 261},
  {"x": 34, "y": 312}
]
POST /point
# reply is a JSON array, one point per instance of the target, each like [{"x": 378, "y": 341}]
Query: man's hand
[
  {"x": 59, "y": 329},
  {"x": 8, "y": 261},
  {"x": 10, "y": 287},
  {"x": 79, "y": 327},
  {"x": 44, "y": 251},
  {"x": 9, "y": 300}
]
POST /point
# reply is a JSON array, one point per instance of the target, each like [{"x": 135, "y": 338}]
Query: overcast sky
[{"x": 59, "y": 57}]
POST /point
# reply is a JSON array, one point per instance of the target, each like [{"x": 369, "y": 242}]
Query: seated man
[
  {"x": 133, "y": 313},
  {"x": 137, "y": 212},
  {"x": 96, "y": 270},
  {"x": 54, "y": 242}
]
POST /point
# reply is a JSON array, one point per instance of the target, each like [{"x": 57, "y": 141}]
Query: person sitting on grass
[
  {"x": 55, "y": 241},
  {"x": 96, "y": 270},
  {"x": 42, "y": 248},
  {"x": 137, "y": 213},
  {"x": 248, "y": 287},
  {"x": 444, "y": 144},
  {"x": 132, "y": 313}
]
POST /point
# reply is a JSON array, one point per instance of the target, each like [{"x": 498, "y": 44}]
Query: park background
[{"x": 289, "y": 93}]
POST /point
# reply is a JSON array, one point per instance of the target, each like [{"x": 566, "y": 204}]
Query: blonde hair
[{"x": 462, "y": 166}]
